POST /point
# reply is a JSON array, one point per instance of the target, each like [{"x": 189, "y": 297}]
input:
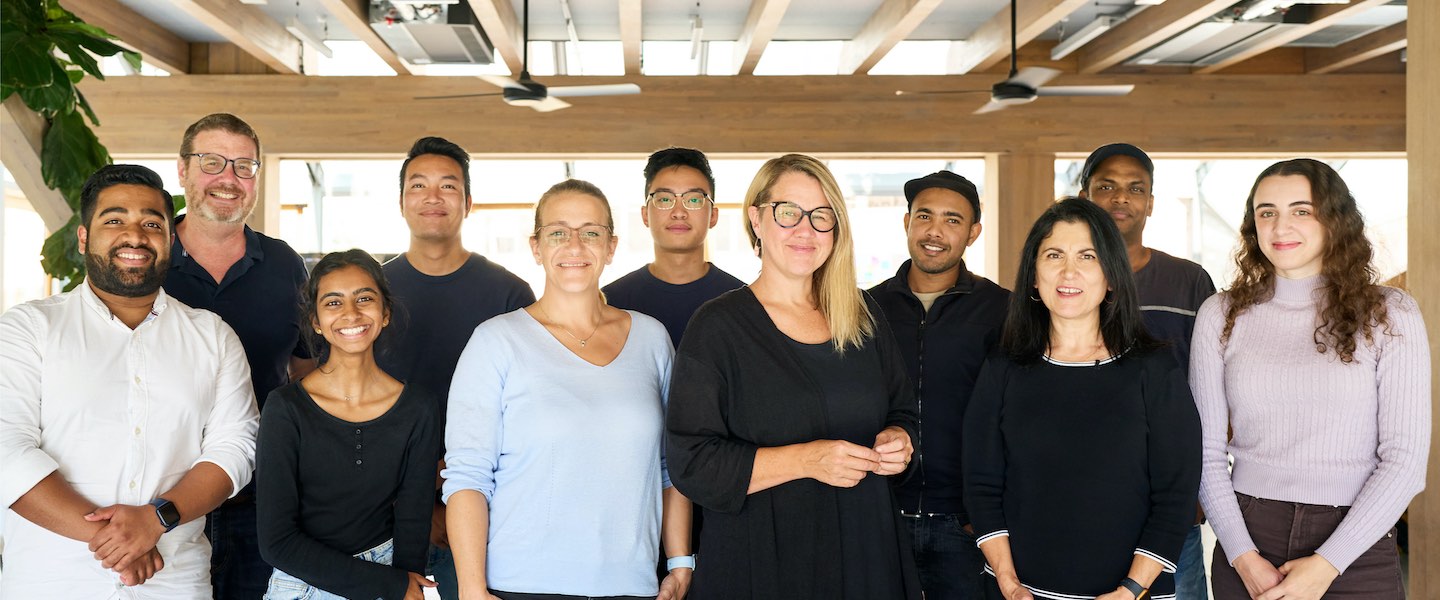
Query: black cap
[
  {"x": 1101, "y": 154},
  {"x": 945, "y": 180}
]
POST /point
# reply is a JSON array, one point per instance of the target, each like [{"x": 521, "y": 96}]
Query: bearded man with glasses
[
  {"x": 253, "y": 281},
  {"x": 680, "y": 211}
]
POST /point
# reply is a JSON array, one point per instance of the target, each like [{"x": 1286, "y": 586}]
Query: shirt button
[
  {"x": 137, "y": 380},
  {"x": 357, "y": 462},
  {"x": 357, "y": 432},
  {"x": 357, "y": 446},
  {"x": 137, "y": 432},
  {"x": 132, "y": 485}
]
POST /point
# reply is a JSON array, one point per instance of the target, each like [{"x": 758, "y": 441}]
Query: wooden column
[
  {"x": 1422, "y": 146},
  {"x": 266, "y": 217},
  {"x": 22, "y": 131},
  {"x": 1018, "y": 187}
]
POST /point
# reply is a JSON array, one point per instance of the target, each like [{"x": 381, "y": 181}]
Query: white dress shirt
[{"x": 122, "y": 415}]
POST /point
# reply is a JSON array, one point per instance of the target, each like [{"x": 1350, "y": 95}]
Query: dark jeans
[
  {"x": 441, "y": 565},
  {"x": 951, "y": 566},
  {"x": 1284, "y": 531},
  {"x": 1190, "y": 576},
  {"x": 520, "y": 596},
  {"x": 236, "y": 570}
]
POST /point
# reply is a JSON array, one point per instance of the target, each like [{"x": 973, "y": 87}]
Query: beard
[
  {"x": 198, "y": 203},
  {"x": 936, "y": 265},
  {"x": 133, "y": 282}
]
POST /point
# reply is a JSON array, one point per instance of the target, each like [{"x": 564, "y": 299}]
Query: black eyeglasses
[
  {"x": 789, "y": 214},
  {"x": 214, "y": 164},
  {"x": 666, "y": 199}
]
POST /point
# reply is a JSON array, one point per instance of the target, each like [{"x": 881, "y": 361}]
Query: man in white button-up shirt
[{"x": 127, "y": 416}]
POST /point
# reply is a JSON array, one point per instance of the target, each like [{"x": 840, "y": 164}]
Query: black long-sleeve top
[
  {"x": 943, "y": 349},
  {"x": 1083, "y": 466},
  {"x": 739, "y": 385},
  {"x": 328, "y": 489}
]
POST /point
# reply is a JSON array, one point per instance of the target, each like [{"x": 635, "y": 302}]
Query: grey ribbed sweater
[{"x": 1308, "y": 428}]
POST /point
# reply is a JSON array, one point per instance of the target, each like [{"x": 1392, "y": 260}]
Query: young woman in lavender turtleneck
[{"x": 1324, "y": 378}]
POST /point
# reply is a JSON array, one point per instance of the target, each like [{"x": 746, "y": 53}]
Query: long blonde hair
[{"x": 837, "y": 294}]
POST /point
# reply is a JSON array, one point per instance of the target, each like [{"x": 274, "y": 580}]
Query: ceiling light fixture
[
  {"x": 697, "y": 33},
  {"x": 1083, "y": 36}
]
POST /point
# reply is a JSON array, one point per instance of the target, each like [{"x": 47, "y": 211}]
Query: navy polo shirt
[{"x": 259, "y": 298}]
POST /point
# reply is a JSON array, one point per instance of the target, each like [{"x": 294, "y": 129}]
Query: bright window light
[
  {"x": 350, "y": 58},
  {"x": 915, "y": 57},
  {"x": 114, "y": 66},
  {"x": 801, "y": 58}
]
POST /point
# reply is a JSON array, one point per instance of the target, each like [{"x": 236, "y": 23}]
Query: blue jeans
[
  {"x": 442, "y": 566},
  {"x": 236, "y": 570},
  {"x": 1190, "y": 576},
  {"x": 284, "y": 586},
  {"x": 951, "y": 566}
]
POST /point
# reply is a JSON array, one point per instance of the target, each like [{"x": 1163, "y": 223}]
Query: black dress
[{"x": 740, "y": 384}]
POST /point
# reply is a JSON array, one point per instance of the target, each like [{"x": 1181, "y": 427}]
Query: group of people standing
[{"x": 681, "y": 433}]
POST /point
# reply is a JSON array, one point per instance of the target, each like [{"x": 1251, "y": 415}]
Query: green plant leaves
[
  {"x": 70, "y": 152},
  {"x": 30, "y": 32},
  {"x": 60, "y": 255}
]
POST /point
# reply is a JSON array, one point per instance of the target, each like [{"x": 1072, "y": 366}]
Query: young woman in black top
[
  {"x": 1082, "y": 444},
  {"x": 346, "y": 456}
]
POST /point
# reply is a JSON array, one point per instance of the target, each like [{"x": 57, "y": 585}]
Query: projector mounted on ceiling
[{"x": 438, "y": 31}]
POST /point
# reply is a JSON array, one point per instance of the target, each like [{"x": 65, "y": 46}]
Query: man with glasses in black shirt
[
  {"x": 253, "y": 282},
  {"x": 680, "y": 211}
]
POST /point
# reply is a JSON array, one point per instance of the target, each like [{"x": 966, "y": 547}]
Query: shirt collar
[
  {"x": 964, "y": 284},
  {"x": 94, "y": 303},
  {"x": 253, "y": 250}
]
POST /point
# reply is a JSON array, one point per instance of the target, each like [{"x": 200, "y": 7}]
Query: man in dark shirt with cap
[
  {"x": 946, "y": 320},
  {"x": 1119, "y": 178}
]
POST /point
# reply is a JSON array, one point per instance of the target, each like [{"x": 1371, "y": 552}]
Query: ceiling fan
[
  {"x": 528, "y": 92},
  {"x": 1024, "y": 85}
]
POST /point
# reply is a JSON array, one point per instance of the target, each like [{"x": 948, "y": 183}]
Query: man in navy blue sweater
[{"x": 946, "y": 320}]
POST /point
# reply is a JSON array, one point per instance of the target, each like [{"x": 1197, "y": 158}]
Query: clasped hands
[
  {"x": 126, "y": 542},
  {"x": 843, "y": 464},
  {"x": 1304, "y": 578}
]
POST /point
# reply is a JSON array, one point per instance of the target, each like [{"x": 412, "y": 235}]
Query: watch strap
[
  {"x": 1141, "y": 592},
  {"x": 680, "y": 562}
]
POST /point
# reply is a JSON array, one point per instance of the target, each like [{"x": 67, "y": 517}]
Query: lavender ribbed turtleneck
[{"x": 1307, "y": 427}]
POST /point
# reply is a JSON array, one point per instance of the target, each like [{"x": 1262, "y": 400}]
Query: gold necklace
[{"x": 567, "y": 331}]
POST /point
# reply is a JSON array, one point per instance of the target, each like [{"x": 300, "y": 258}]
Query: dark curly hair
[{"x": 1354, "y": 302}]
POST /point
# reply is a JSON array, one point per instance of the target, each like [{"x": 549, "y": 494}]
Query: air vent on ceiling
[{"x": 431, "y": 33}]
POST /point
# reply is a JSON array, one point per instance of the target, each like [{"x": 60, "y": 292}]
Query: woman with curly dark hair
[{"x": 1324, "y": 378}]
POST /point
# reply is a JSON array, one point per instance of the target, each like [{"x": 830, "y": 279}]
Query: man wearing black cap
[
  {"x": 1119, "y": 178},
  {"x": 946, "y": 319}
]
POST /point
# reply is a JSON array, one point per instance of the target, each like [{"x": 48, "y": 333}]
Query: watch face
[{"x": 169, "y": 515}]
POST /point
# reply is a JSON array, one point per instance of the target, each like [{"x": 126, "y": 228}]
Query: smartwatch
[
  {"x": 680, "y": 562},
  {"x": 1141, "y": 592},
  {"x": 166, "y": 511}
]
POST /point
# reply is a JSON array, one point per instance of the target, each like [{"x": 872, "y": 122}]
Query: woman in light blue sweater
[
  {"x": 1324, "y": 379},
  {"x": 554, "y": 468}
]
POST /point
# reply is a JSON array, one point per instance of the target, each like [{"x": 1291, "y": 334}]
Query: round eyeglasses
[
  {"x": 666, "y": 199},
  {"x": 789, "y": 214},
  {"x": 560, "y": 235},
  {"x": 214, "y": 164}
]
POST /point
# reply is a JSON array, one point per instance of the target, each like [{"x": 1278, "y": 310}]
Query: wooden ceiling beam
[
  {"x": 22, "y": 132},
  {"x": 630, "y": 27},
  {"x": 1354, "y": 52},
  {"x": 355, "y": 16},
  {"x": 159, "y": 46},
  {"x": 990, "y": 44},
  {"x": 503, "y": 28},
  {"x": 1322, "y": 16},
  {"x": 1293, "y": 114},
  {"x": 760, "y": 25},
  {"x": 1144, "y": 30},
  {"x": 891, "y": 23},
  {"x": 249, "y": 28}
]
